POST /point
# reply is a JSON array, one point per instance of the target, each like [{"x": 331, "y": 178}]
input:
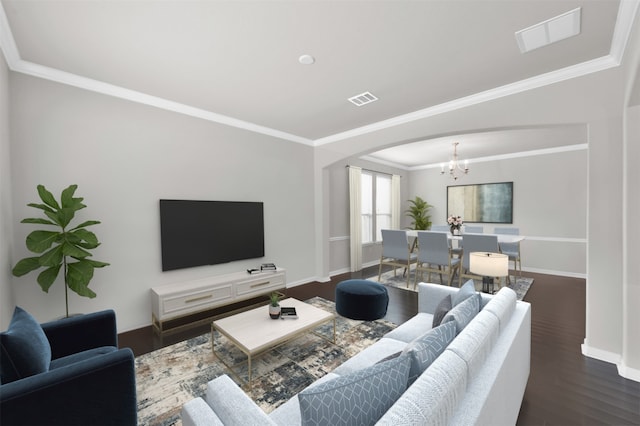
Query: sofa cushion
[
  {"x": 80, "y": 356},
  {"x": 369, "y": 356},
  {"x": 468, "y": 289},
  {"x": 198, "y": 412},
  {"x": 474, "y": 344},
  {"x": 289, "y": 412},
  {"x": 361, "y": 397},
  {"x": 463, "y": 313},
  {"x": 502, "y": 305},
  {"x": 426, "y": 348},
  {"x": 24, "y": 348},
  {"x": 443, "y": 307},
  {"x": 413, "y": 328},
  {"x": 434, "y": 396}
]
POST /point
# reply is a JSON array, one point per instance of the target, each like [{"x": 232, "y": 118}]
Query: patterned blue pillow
[
  {"x": 463, "y": 313},
  {"x": 24, "y": 348},
  {"x": 358, "y": 398},
  {"x": 443, "y": 307},
  {"x": 426, "y": 348},
  {"x": 468, "y": 289}
]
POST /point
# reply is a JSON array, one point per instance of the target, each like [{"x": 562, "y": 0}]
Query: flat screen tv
[
  {"x": 485, "y": 202},
  {"x": 196, "y": 233}
]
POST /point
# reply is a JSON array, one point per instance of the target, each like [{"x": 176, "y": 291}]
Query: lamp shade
[{"x": 489, "y": 264}]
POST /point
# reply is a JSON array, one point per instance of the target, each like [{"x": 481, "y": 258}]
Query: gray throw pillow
[
  {"x": 443, "y": 307},
  {"x": 358, "y": 398},
  {"x": 426, "y": 348},
  {"x": 24, "y": 348},
  {"x": 463, "y": 313},
  {"x": 468, "y": 289}
]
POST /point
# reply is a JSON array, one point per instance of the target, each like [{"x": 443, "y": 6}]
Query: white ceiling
[{"x": 236, "y": 62}]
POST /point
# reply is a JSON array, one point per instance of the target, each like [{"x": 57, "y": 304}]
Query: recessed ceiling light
[
  {"x": 550, "y": 31},
  {"x": 306, "y": 59},
  {"x": 363, "y": 99}
]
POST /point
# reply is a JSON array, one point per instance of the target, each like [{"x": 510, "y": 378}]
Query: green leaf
[
  {"x": 39, "y": 241},
  {"x": 41, "y": 207},
  {"x": 47, "y": 277},
  {"x": 73, "y": 250},
  {"x": 79, "y": 275},
  {"x": 51, "y": 258},
  {"x": 87, "y": 223},
  {"x": 47, "y": 197},
  {"x": 66, "y": 198},
  {"x": 38, "y": 221},
  {"x": 25, "y": 266},
  {"x": 54, "y": 216},
  {"x": 86, "y": 236},
  {"x": 97, "y": 263}
]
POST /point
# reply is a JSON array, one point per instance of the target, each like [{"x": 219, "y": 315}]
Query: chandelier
[{"x": 454, "y": 164}]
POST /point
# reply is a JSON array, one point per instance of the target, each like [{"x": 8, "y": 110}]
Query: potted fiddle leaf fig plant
[
  {"x": 65, "y": 247},
  {"x": 274, "y": 305},
  {"x": 418, "y": 212}
]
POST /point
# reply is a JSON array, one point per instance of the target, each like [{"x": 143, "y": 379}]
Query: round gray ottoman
[{"x": 361, "y": 299}]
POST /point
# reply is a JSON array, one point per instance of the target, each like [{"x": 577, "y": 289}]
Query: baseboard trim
[
  {"x": 600, "y": 354},
  {"x": 628, "y": 372}
]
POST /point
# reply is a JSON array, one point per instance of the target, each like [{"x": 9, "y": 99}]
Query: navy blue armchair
[{"x": 89, "y": 381}]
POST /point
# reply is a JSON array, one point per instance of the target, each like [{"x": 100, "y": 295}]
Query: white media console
[{"x": 174, "y": 301}]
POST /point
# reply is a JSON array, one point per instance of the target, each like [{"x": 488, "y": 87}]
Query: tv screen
[{"x": 196, "y": 233}]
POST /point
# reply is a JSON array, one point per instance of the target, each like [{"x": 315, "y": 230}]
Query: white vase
[{"x": 274, "y": 311}]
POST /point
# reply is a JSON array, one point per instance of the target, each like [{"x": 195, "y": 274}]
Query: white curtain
[
  {"x": 355, "y": 220},
  {"x": 396, "y": 203}
]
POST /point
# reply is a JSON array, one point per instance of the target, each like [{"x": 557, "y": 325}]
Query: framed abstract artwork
[{"x": 484, "y": 202}]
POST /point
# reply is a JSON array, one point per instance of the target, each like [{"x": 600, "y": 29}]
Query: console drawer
[
  {"x": 180, "y": 305},
  {"x": 260, "y": 285}
]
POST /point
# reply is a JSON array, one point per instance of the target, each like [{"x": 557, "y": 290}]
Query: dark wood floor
[{"x": 564, "y": 388}]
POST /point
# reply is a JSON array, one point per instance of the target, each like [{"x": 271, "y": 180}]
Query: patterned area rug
[
  {"x": 520, "y": 284},
  {"x": 169, "y": 377}
]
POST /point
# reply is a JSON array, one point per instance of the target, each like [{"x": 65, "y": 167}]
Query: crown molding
[
  {"x": 510, "y": 156},
  {"x": 627, "y": 12},
  {"x": 578, "y": 70}
]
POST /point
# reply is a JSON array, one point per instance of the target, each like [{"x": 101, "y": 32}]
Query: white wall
[
  {"x": 549, "y": 204},
  {"x": 125, "y": 157},
  {"x": 6, "y": 223}
]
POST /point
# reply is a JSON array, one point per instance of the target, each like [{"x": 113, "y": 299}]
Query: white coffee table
[{"x": 254, "y": 332}]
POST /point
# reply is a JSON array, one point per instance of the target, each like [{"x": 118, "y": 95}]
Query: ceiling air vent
[
  {"x": 362, "y": 99},
  {"x": 550, "y": 31}
]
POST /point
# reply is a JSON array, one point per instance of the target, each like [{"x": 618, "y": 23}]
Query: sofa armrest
[
  {"x": 232, "y": 405},
  {"x": 197, "y": 412},
  {"x": 76, "y": 334},
  {"x": 429, "y": 295},
  {"x": 99, "y": 391}
]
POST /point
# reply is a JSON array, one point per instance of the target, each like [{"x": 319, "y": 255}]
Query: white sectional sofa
[{"x": 478, "y": 378}]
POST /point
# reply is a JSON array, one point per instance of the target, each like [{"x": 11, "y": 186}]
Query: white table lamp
[{"x": 488, "y": 265}]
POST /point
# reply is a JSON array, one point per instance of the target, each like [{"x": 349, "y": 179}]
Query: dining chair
[
  {"x": 446, "y": 228},
  {"x": 396, "y": 251},
  {"x": 434, "y": 251},
  {"x": 473, "y": 243},
  {"x": 511, "y": 249},
  {"x": 473, "y": 229}
]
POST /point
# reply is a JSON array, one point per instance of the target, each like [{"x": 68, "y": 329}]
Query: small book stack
[
  {"x": 288, "y": 312},
  {"x": 268, "y": 267}
]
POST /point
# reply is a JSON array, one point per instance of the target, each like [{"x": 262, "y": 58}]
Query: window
[{"x": 376, "y": 205}]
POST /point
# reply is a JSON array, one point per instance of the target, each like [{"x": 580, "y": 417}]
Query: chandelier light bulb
[{"x": 454, "y": 164}]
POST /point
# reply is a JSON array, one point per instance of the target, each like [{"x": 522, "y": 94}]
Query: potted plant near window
[
  {"x": 418, "y": 212},
  {"x": 274, "y": 305},
  {"x": 67, "y": 248}
]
